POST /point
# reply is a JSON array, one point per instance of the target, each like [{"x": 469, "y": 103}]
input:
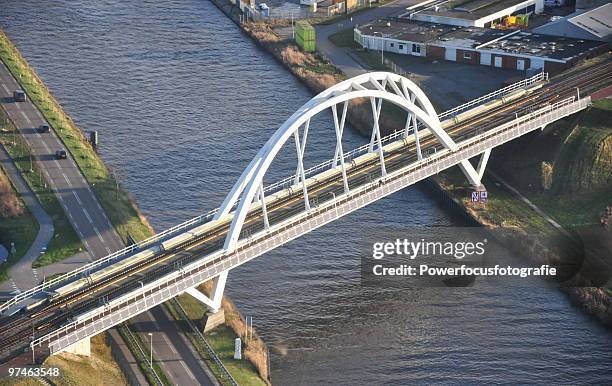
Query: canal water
[{"x": 182, "y": 100}]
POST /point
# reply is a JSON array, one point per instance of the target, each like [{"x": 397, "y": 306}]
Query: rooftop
[
  {"x": 414, "y": 31},
  {"x": 502, "y": 41},
  {"x": 597, "y": 21},
  {"x": 528, "y": 43},
  {"x": 469, "y": 10}
]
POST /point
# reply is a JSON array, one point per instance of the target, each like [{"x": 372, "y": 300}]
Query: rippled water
[{"x": 182, "y": 101}]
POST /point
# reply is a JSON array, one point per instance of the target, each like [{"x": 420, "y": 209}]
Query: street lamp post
[
  {"x": 151, "y": 350},
  {"x": 382, "y": 46}
]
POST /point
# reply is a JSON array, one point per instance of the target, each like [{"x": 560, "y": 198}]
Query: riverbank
[{"x": 318, "y": 73}]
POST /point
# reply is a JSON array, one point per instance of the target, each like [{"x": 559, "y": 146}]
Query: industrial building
[
  {"x": 594, "y": 24},
  {"x": 510, "y": 49},
  {"x": 472, "y": 13}
]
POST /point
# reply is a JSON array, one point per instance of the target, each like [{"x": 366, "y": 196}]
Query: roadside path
[{"x": 22, "y": 275}]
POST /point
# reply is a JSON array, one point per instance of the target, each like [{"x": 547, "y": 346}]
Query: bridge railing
[
  {"x": 115, "y": 256},
  {"x": 542, "y": 76},
  {"x": 164, "y": 287},
  {"x": 282, "y": 184}
]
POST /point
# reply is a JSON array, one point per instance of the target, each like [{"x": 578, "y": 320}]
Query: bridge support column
[
  {"x": 82, "y": 347},
  {"x": 213, "y": 303},
  {"x": 215, "y": 315},
  {"x": 474, "y": 176}
]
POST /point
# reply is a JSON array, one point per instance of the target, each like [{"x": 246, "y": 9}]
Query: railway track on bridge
[{"x": 17, "y": 331}]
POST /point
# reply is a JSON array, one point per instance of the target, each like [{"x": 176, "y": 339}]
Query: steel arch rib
[{"x": 248, "y": 184}]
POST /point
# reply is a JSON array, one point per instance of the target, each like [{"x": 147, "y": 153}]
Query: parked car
[
  {"x": 19, "y": 96},
  {"x": 44, "y": 128},
  {"x": 61, "y": 154}
]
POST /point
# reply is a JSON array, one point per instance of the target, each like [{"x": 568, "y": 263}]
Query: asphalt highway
[
  {"x": 64, "y": 177},
  {"x": 172, "y": 349}
]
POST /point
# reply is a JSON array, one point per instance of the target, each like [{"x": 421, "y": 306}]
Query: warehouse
[
  {"x": 473, "y": 13},
  {"x": 509, "y": 49}
]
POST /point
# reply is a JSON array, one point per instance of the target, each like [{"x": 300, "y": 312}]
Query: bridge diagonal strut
[{"x": 339, "y": 148}]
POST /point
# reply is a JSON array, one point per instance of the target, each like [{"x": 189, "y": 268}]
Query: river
[{"x": 182, "y": 100}]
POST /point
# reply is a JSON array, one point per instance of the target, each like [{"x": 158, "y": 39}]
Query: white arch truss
[{"x": 375, "y": 86}]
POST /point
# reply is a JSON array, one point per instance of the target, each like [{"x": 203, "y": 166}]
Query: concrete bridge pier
[
  {"x": 474, "y": 176},
  {"x": 215, "y": 315},
  {"x": 82, "y": 347}
]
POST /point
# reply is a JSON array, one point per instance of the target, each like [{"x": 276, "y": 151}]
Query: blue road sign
[
  {"x": 484, "y": 196},
  {"x": 475, "y": 196}
]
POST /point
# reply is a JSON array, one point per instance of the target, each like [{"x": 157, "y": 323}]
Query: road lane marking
[
  {"x": 77, "y": 197},
  {"x": 6, "y": 89},
  {"x": 187, "y": 370},
  {"x": 87, "y": 215},
  {"x": 23, "y": 114},
  {"x": 165, "y": 338},
  {"x": 153, "y": 320},
  {"x": 100, "y": 236},
  {"x": 66, "y": 179}
]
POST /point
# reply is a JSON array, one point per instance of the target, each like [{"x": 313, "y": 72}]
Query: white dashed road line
[
  {"x": 187, "y": 370},
  {"x": 26, "y": 117},
  {"x": 76, "y": 196},
  {"x": 87, "y": 215},
  {"x": 66, "y": 179},
  {"x": 165, "y": 338}
]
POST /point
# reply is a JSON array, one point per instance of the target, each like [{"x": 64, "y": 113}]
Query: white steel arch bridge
[{"x": 255, "y": 218}]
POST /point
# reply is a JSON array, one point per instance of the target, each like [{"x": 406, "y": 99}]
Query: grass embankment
[
  {"x": 252, "y": 371},
  {"x": 98, "y": 370},
  {"x": 567, "y": 169},
  {"x": 582, "y": 170},
  {"x": 65, "y": 241},
  {"x": 118, "y": 205},
  {"x": 17, "y": 224},
  {"x": 567, "y": 172}
]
